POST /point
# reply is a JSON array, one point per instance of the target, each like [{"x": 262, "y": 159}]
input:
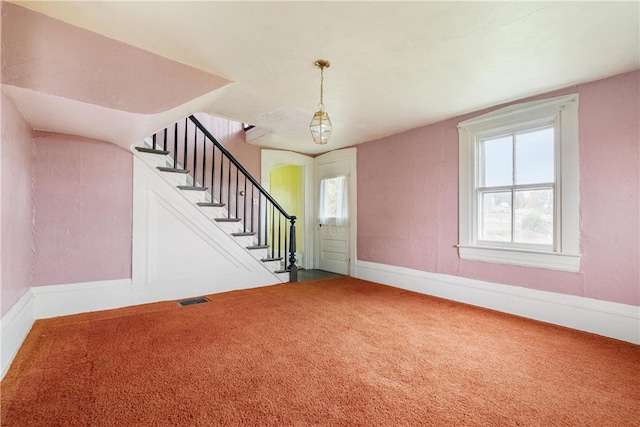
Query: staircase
[{"x": 189, "y": 158}]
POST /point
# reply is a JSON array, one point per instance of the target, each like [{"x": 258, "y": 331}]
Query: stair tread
[
  {"x": 173, "y": 170},
  {"x": 192, "y": 188},
  {"x": 152, "y": 151},
  {"x": 271, "y": 259},
  {"x": 246, "y": 233},
  {"x": 227, "y": 219},
  {"x": 258, "y": 247},
  {"x": 211, "y": 205}
]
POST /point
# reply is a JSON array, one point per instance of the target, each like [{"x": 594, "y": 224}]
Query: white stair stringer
[
  {"x": 213, "y": 212},
  {"x": 172, "y": 180}
]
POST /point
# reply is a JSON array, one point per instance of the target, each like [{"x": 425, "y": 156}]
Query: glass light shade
[{"x": 320, "y": 127}]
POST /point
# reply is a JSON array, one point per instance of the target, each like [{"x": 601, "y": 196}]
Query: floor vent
[{"x": 192, "y": 301}]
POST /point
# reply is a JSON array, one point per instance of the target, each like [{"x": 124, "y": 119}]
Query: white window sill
[{"x": 525, "y": 258}]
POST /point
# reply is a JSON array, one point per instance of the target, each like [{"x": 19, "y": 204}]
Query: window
[
  {"x": 519, "y": 201},
  {"x": 333, "y": 201}
]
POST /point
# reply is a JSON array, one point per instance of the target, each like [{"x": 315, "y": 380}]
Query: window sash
[
  {"x": 513, "y": 212},
  {"x": 561, "y": 112},
  {"x": 512, "y": 131}
]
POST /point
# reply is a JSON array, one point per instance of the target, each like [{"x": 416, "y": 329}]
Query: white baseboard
[
  {"x": 14, "y": 327},
  {"x": 74, "y": 298},
  {"x": 610, "y": 319},
  {"x": 43, "y": 302},
  {"x": 619, "y": 321}
]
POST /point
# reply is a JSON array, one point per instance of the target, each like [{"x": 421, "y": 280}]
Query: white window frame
[{"x": 565, "y": 252}]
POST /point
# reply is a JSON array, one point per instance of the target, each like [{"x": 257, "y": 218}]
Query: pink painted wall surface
[
  {"x": 83, "y": 202},
  {"x": 16, "y": 183},
  {"x": 231, "y": 135},
  {"x": 408, "y": 200},
  {"x": 610, "y": 180},
  {"x": 50, "y": 56}
]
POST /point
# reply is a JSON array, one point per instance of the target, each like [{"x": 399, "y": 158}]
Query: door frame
[
  {"x": 348, "y": 155},
  {"x": 271, "y": 159}
]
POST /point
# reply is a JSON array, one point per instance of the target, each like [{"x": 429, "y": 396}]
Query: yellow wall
[{"x": 287, "y": 187}]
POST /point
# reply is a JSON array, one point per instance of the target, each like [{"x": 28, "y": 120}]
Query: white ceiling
[{"x": 394, "y": 65}]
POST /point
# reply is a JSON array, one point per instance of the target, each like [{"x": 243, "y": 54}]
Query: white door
[{"x": 336, "y": 210}]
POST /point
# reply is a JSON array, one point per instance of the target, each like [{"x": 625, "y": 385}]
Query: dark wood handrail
[{"x": 241, "y": 168}]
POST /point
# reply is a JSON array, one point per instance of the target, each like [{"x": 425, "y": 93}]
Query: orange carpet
[{"x": 336, "y": 352}]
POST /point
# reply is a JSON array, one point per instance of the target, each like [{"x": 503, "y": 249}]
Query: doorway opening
[
  {"x": 324, "y": 242},
  {"x": 287, "y": 187}
]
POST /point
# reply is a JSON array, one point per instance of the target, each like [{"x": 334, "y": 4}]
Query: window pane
[
  {"x": 495, "y": 216},
  {"x": 496, "y": 161},
  {"x": 534, "y": 217},
  {"x": 334, "y": 205},
  {"x": 534, "y": 157},
  {"x": 330, "y": 200}
]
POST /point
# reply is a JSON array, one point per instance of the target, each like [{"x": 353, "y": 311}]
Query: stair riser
[
  {"x": 175, "y": 179},
  {"x": 283, "y": 276},
  {"x": 273, "y": 265},
  {"x": 214, "y": 212},
  {"x": 260, "y": 254},
  {"x": 154, "y": 160},
  {"x": 195, "y": 196},
  {"x": 245, "y": 241},
  {"x": 230, "y": 227}
]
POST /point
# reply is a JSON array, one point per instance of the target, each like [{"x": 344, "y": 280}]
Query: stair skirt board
[{"x": 196, "y": 201}]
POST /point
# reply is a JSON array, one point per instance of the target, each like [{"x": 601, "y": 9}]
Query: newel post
[{"x": 293, "y": 268}]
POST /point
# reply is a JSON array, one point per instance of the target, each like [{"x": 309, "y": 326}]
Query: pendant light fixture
[{"x": 320, "y": 124}]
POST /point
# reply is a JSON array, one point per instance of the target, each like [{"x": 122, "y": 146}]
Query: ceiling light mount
[
  {"x": 320, "y": 124},
  {"x": 323, "y": 63}
]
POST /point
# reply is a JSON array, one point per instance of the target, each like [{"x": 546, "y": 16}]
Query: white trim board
[
  {"x": 164, "y": 223},
  {"x": 15, "y": 326},
  {"x": 43, "y": 302},
  {"x": 610, "y": 319},
  {"x": 62, "y": 300}
]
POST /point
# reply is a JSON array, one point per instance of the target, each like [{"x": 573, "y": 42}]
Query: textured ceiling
[{"x": 394, "y": 65}]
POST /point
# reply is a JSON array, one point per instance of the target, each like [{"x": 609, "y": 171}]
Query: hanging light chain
[{"x": 321, "y": 105}]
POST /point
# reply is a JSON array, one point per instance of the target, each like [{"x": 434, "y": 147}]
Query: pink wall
[
  {"x": 50, "y": 56},
  {"x": 231, "y": 135},
  {"x": 610, "y": 176},
  {"x": 83, "y": 200},
  {"x": 408, "y": 215},
  {"x": 16, "y": 183}
]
